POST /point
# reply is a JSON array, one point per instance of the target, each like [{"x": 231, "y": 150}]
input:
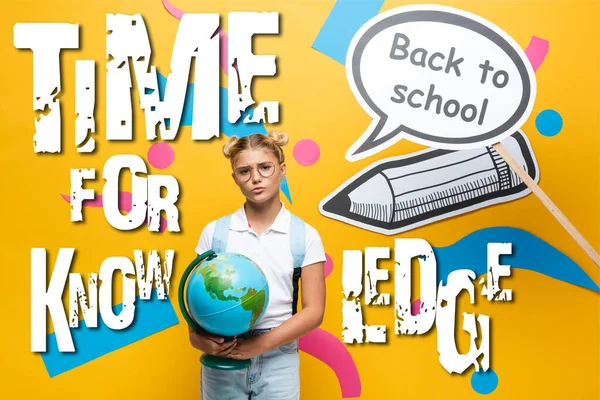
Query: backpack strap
[
  {"x": 298, "y": 249},
  {"x": 297, "y": 240},
  {"x": 219, "y": 242}
]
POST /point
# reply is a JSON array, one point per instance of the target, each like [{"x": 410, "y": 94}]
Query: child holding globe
[{"x": 260, "y": 230}]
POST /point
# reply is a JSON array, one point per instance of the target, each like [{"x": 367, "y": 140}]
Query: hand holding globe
[{"x": 226, "y": 295}]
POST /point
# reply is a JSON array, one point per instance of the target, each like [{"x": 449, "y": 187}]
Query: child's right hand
[{"x": 211, "y": 344}]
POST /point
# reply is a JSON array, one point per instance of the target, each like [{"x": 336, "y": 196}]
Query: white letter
[
  {"x": 352, "y": 320},
  {"x": 85, "y": 98},
  {"x": 450, "y": 358},
  {"x": 125, "y": 317},
  {"x": 78, "y": 193},
  {"x": 374, "y": 275},
  {"x": 495, "y": 271},
  {"x": 242, "y": 25},
  {"x": 156, "y": 203},
  {"x": 196, "y": 38},
  {"x": 46, "y": 40},
  {"x": 145, "y": 279},
  {"x": 406, "y": 323},
  {"x": 139, "y": 191},
  {"x": 40, "y": 299},
  {"x": 77, "y": 295},
  {"x": 352, "y": 323}
]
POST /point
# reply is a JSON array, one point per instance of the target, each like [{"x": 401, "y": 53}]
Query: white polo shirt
[{"x": 271, "y": 252}]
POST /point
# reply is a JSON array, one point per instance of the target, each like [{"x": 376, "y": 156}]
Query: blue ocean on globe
[{"x": 227, "y": 294}]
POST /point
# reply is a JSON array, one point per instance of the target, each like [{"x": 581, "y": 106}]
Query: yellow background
[{"x": 545, "y": 344}]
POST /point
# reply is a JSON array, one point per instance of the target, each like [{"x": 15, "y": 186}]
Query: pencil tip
[{"x": 338, "y": 204}]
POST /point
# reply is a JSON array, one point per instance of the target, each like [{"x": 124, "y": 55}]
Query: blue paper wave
[{"x": 528, "y": 252}]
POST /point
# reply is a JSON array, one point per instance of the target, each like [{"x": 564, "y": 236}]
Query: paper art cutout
[{"x": 397, "y": 194}]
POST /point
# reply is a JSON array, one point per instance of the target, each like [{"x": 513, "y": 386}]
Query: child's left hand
[{"x": 245, "y": 349}]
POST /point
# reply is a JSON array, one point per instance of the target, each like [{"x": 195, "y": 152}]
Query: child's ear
[{"x": 282, "y": 170}]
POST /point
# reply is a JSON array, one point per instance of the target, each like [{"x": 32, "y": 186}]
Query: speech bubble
[{"x": 437, "y": 76}]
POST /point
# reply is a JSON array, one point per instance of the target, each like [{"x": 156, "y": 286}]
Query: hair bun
[
  {"x": 279, "y": 138},
  {"x": 229, "y": 146}
]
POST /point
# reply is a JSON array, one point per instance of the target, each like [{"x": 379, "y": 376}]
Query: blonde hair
[{"x": 271, "y": 142}]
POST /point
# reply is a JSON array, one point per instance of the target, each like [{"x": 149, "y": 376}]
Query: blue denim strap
[{"x": 219, "y": 242}]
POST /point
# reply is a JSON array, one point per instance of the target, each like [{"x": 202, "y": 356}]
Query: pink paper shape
[
  {"x": 329, "y": 349},
  {"x": 415, "y": 307},
  {"x": 328, "y": 265},
  {"x": 161, "y": 155},
  {"x": 224, "y": 43},
  {"x": 174, "y": 11},
  {"x": 306, "y": 152},
  {"x": 536, "y": 51}
]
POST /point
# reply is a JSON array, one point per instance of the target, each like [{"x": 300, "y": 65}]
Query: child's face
[{"x": 258, "y": 174}]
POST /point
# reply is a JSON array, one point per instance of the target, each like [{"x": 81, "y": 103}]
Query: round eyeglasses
[{"x": 243, "y": 174}]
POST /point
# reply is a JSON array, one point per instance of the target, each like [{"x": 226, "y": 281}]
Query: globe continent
[{"x": 227, "y": 294}]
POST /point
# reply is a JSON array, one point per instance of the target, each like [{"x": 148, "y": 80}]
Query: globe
[{"x": 227, "y": 294}]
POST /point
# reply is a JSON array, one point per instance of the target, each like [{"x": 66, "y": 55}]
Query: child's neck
[{"x": 261, "y": 216}]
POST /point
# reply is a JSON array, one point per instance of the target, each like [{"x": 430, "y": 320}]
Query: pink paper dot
[
  {"x": 161, "y": 155},
  {"x": 415, "y": 308},
  {"x": 306, "y": 152},
  {"x": 328, "y": 265}
]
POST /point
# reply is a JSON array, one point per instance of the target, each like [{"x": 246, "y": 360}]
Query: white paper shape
[
  {"x": 437, "y": 76},
  {"x": 397, "y": 194}
]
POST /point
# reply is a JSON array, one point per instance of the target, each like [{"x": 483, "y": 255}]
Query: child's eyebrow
[{"x": 259, "y": 163}]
